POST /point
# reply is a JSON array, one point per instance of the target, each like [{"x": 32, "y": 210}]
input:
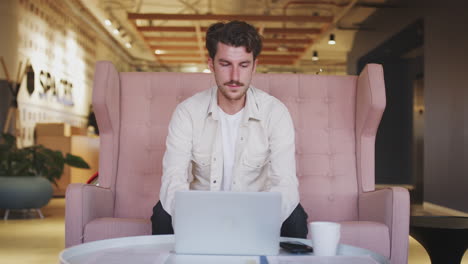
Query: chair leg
[
  {"x": 40, "y": 213},
  {"x": 7, "y": 212}
]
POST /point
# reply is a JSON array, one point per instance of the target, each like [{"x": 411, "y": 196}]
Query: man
[{"x": 232, "y": 137}]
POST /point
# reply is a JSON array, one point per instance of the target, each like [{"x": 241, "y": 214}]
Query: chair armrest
[
  {"x": 390, "y": 206},
  {"x": 84, "y": 203}
]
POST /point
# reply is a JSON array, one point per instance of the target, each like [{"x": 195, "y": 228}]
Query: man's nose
[{"x": 235, "y": 73}]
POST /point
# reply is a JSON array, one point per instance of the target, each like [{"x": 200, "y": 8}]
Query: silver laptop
[{"x": 227, "y": 223}]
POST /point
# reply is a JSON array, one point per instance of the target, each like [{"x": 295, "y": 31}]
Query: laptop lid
[{"x": 227, "y": 223}]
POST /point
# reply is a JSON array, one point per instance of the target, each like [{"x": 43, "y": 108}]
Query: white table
[{"x": 160, "y": 249}]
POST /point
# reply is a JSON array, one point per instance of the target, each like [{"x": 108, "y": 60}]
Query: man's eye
[
  {"x": 244, "y": 65},
  {"x": 224, "y": 64}
]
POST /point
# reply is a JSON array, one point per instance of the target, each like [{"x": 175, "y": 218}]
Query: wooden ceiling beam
[
  {"x": 183, "y": 55},
  {"x": 172, "y": 47},
  {"x": 250, "y": 18},
  {"x": 183, "y": 61},
  {"x": 263, "y": 62},
  {"x": 289, "y": 50},
  {"x": 276, "y": 62},
  {"x": 287, "y": 41},
  {"x": 261, "y": 57},
  {"x": 172, "y": 39},
  {"x": 192, "y": 48},
  {"x": 265, "y": 40},
  {"x": 278, "y": 57},
  {"x": 166, "y": 29},
  {"x": 301, "y": 31}
]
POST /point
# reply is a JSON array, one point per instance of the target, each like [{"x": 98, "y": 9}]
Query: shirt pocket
[
  {"x": 255, "y": 162},
  {"x": 201, "y": 165},
  {"x": 253, "y": 166}
]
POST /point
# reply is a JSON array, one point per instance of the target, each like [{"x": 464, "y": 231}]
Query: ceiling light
[
  {"x": 158, "y": 52},
  {"x": 128, "y": 45},
  {"x": 206, "y": 71},
  {"x": 116, "y": 31},
  {"x": 107, "y": 22},
  {"x": 332, "y": 41},
  {"x": 315, "y": 56}
]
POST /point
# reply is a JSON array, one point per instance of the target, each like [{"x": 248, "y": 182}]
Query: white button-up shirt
[{"x": 265, "y": 152}]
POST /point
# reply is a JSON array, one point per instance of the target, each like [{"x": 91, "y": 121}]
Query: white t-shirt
[{"x": 229, "y": 128}]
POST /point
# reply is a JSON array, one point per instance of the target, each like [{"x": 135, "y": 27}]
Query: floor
[{"x": 39, "y": 241}]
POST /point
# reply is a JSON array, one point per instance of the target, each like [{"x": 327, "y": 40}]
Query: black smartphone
[{"x": 296, "y": 247}]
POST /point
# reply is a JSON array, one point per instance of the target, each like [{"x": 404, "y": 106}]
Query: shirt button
[
  {"x": 242, "y": 138},
  {"x": 214, "y": 181}
]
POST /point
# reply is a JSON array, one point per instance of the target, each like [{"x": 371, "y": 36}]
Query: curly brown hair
[{"x": 234, "y": 33}]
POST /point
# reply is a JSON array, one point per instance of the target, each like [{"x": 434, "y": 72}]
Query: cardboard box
[{"x": 58, "y": 129}]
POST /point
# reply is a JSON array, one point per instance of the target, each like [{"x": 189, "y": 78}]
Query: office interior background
[{"x": 422, "y": 141}]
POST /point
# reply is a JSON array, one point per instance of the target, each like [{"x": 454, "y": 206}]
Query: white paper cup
[{"x": 325, "y": 237}]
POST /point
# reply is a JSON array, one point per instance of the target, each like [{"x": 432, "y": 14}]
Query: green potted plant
[{"x": 26, "y": 174}]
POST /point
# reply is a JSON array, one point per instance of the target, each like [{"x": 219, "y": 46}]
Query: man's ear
[
  {"x": 211, "y": 64},
  {"x": 255, "y": 65}
]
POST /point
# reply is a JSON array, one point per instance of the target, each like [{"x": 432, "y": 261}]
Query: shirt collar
[{"x": 251, "y": 105}]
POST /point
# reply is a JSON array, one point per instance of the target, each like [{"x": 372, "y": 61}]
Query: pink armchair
[{"x": 336, "y": 119}]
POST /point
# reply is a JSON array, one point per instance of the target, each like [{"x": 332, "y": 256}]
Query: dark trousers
[{"x": 294, "y": 226}]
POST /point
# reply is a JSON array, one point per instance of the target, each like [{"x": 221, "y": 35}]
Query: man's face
[{"x": 233, "y": 68}]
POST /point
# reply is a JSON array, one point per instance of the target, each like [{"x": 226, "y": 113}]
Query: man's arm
[
  {"x": 176, "y": 158},
  {"x": 282, "y": 174}
]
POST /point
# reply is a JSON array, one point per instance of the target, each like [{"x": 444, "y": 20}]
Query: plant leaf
[
  {"x": 76, "y": 161},
  {"x": 9, "y": 139}
]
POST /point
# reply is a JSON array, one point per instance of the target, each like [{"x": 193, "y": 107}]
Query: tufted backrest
[{"x": 334, "y": 134}]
